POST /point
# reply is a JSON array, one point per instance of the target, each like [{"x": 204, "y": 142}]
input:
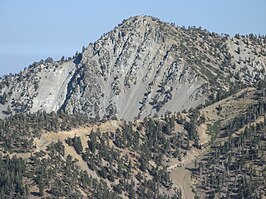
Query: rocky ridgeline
[{"x": 142, "y": 67}]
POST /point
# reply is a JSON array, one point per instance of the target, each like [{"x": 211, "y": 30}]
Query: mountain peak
[
  {"x": 141, "y": 18},
  {"x": 140, "y": 21},
  {"x": 142, "y": 67}
]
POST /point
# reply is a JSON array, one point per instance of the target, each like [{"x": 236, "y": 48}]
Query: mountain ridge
[
  {"x": 149, "y": 110},
  {"x": 141, "y": 67}
]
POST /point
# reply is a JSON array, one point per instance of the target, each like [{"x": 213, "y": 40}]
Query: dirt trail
[
  {"x": 82, "y": 132},
  {"x": 181, "y": 176},
  {"x": 179, "y": 170}
]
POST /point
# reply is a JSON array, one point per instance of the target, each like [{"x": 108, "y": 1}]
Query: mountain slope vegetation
[
  {"x": 150, "y": 110},
  {"x": 160, "y": 157}
]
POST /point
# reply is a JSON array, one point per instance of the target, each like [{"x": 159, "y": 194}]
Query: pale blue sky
[{"x": 31, "y": 30}]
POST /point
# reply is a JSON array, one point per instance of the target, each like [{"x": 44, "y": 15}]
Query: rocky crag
[{"x": 142, "y": 67}]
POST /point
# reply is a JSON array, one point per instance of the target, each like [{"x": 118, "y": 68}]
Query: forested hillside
[{"x": 215, "y": 151}]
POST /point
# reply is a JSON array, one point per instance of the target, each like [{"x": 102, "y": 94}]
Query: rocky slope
[{"x": 142, "y": 67}]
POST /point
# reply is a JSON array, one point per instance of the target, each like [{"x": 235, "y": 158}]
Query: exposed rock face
[{"x": 142, "y": 67}]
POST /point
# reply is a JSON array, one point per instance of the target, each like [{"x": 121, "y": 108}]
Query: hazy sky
[{"x": 31, "y": 30}]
